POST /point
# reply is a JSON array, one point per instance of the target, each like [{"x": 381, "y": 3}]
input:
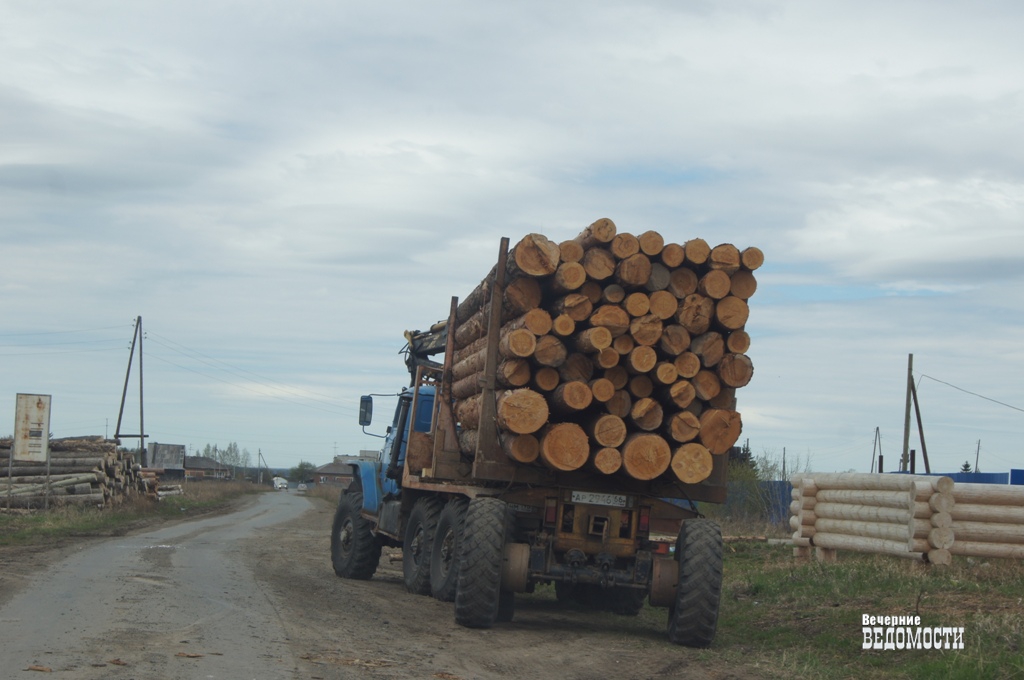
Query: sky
[{"x": 281, "y": 189}]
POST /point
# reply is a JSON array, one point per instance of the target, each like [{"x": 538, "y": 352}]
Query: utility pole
[
  {"x": 904, "y": 460},
  {"x": 976, "y": 454},
  {"x": 876, "y": 448},
  {"x": 141, "y": 436},
  {"x": 920, "y": 427}
]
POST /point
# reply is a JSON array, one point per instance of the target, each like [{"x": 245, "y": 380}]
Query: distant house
[
  {"x": 201, "y": 467},
  {"x": 338, "y": 472}
]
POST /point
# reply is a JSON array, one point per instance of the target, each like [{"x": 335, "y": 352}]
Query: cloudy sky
[{"x": 281, "y": 189}]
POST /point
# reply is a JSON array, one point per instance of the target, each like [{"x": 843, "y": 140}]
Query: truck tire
[
  {"x": 478, "y": 595},
  {"x": 418, "y": 544},
  {"x": 693, "y": 618},
  {"x": 355, "y": 552},
  {"x": 444, "y": 556}
]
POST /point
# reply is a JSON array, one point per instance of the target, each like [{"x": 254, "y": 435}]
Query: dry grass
[
  {"x": 38, "y": 525},
  {"x": 327, "y": 492},
  {"x": 804, "y": 619}
]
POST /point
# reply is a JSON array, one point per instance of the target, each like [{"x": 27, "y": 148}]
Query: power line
[
  {"x": 980, "y": 396},
  {"x": 342, "y": 409},
  {"x": 236, "y": 370},
  {"x": 83, "y": 330},
  {"x": 63, "y": 351},
  {"x": 67, "y": 342}
]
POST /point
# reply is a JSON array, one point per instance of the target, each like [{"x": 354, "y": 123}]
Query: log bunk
[
  {"x": 618, "y": 353},
  {"x": 82, "y": 471}
]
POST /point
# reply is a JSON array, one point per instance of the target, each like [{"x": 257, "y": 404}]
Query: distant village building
[
  {"x": 339, "y": 471},
  {"x": 202, "y": 467}
]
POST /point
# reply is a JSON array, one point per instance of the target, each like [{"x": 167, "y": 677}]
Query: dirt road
[{"x": 252, "y": 595}]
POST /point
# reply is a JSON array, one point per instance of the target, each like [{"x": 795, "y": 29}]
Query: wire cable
[
  {"x": 980, "y": 396},
  {"x": 233, "y": 369},
  {"x": 342, "y": 410}
]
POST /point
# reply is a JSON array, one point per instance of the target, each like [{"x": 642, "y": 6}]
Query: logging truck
[{"x": 528, "y": 456}]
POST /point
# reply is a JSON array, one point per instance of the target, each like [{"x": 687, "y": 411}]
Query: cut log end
[
  {"x": 692, "y": 463},
  {"x": 720, "y": 429},
  {"x": 522, "y": 411},
  {"x": 564, "y": 447},
  {"x": 606, "y": 460},
  {"x": 645, "y": 456}
]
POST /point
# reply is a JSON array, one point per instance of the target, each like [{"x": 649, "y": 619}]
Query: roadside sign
[{"x": 32, "y": 428}]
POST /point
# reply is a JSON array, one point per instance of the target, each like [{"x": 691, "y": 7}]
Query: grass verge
[
  {"x": 805, "y": 619},
  {"x": 61, "y": 522},
  {"x": 780, "y": 618}
]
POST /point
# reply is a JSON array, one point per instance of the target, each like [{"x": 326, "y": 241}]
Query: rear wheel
[
  {"x": 355, "y": 552},
  {"x": 478, "y": 595},
  {"x": 419, "y": 540},
  {"x": 444, "y": 556},
  {"x": 693, "y": 618}
]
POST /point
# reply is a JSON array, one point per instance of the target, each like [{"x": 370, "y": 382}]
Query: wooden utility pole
[
  {"x": 876, "y": 448},
  {"x": 920, "y": 427},
  {"x": 136, "y": 338},
  {"x": 906, "y": 418}
]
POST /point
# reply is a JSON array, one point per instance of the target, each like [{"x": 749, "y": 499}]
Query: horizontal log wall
[{"x": 924, "y": 518}]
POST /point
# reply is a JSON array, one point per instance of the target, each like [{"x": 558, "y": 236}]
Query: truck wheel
[
  {"x": 693, "y": 618},
  {"x": 355, "y": 552},
  {"x": 444, "y": 556},
  {"x": 416, "y": 548},
  {"x": 478, "y": 594}
]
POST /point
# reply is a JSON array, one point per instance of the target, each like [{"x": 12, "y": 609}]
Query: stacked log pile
[
  {"x": 82, "y": 470},
  {"x": 917, "y": 517},
  {"x": 903, "y": 515},
  {"x": 988, "y": 520},
  {"x": 620, "y": 353}
]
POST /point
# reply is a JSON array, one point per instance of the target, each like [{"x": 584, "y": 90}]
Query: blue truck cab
[{"x": 380, "y": 479}]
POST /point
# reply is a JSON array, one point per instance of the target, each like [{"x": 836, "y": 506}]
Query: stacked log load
[
  {"x": 82, "y": 470},
  {"x": 617, "y": 352},
  {"x": 988, "y": 520},
  {"x": 902, "y": 515}
]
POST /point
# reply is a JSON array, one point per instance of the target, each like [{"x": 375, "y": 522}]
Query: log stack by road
[
  {"x": 82, "y": 470},
  {"x": 914, "y": 516},
  {"x": 618, "y": 352},
  {"x": 902, "y": 515},
  {"x": 988, "y": 520}
]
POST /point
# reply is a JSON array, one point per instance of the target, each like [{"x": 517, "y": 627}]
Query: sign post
[{"x": 31, "y": 437}]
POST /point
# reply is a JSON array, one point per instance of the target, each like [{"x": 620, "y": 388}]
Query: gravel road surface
[
  {"x": 178, "y": 602},
  {"x": 251, "y": 594}
]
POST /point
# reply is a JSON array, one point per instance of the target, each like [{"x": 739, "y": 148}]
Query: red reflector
[
  {"x": 660, "y": 548},
  {"x": 644, "y": 523},
  {"x": 550, "y": 511}
]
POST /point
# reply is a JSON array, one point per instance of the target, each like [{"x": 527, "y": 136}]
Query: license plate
[{"x": 594, "y": 498}]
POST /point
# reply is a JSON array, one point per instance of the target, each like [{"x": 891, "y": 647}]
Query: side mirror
[{"x": 365, "y": 410}]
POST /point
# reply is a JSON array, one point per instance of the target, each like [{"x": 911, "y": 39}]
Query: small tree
[
  {"x": 966, "y": 467},
  {"x": 302, "y": 472}
]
